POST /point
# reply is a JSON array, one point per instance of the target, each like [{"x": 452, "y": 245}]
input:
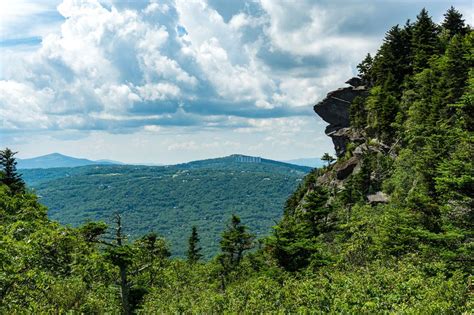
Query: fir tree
[
  {"x": 235, "y": 241},
  {"x": 424, "y": 40},
  {"x": 9, "y": 175},
  {"x": 453, "y": 22},
  {"x": 194, "y": 250},
  {"x": 357, "y": 113},
  {"x": 365, "y": 70},
  {"x": 455, "y": 69},
  {"x": 392, "y": 62},
  {"x": 327, "y": 158},
  {"x": 316, "y": 211}
]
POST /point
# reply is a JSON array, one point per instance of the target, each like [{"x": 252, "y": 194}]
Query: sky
[{"x": 158, "y": 81}]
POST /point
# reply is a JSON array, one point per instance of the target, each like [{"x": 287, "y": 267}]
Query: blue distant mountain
[
  {"x": 310, "y": 162},
  {"x": 59, "y": 160}
]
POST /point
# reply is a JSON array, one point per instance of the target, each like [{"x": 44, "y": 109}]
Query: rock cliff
[{"x": 334, "y": 109}]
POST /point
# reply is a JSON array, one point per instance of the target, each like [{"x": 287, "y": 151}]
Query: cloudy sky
[{"x": 161, "y": 81}]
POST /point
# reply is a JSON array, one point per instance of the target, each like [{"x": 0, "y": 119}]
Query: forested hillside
[
  {"x": 170, "y": 199},
  {"x": 386, "y": 228}
]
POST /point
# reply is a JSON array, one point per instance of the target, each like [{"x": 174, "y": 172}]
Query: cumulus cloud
[{"x": 126, "y": 66}]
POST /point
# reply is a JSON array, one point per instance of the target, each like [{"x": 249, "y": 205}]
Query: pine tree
[
  {"x": 328, "y": 158},
  {"x": 9, "y": 175},
  {"x": 357, "y": 113},
  {"x": 382, "y": 108},
  {"x": 392, "y": 62},
  {"x": 365, "y": 70},
  {"x": 235, "y": 240},
  {"x": 455, "y": 70},
  {"x": 453, "y": 22},
  {"x": 424, "y": 40},
  {"x": 194, "y": 250},
  {"x": 316, "y": 211}
]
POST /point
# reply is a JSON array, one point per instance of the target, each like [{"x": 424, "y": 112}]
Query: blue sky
[{"x": 173, "y": 81}]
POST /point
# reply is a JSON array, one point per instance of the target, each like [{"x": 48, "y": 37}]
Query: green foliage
[
  {"x": 327, "y": 158},
  {"x": 332, "y": 252},
  {"x": 382, "y": 108},
  {"x": 235, "y": 241},
  {"x": 365, "y": 70},
  {"x": 170, "y": 199},
  {"x": 358, "y": 114},
  {"x": 393, "y": 60},
  {"x": 424, "y": 41},
  {"x": 194, "y": 250},
  {"x": 8, "y": 173},
  {"x": 295, "y": 241},
  {"x": 454, "y": 23}
]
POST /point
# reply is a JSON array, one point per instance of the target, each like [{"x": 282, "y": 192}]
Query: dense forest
[
  {"x": 170, "y": 199},
  {"x": 392, "y": 234}
]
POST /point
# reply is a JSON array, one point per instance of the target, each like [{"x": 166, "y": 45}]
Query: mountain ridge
[{"x": 55, "y": 159}]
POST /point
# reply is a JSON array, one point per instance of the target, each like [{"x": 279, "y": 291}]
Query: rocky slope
[{"x": 351, "y": 144}]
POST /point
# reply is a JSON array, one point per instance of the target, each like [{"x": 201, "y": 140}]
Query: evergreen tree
[
  {"x": 292, "y": 244},
  {"x": 365, "y": 70},
  {"x": 9, "y": 175},
  {"x": 454, "y": 23},
  {"x": 120, "y": 255},
  {"x": 455, "y": 66},
  {"x": 235, "y": 241},
  {"x": 393, "y": 60},
  {"x": 194, "y": 250},
  {"x": 316, "y": 211},
  {"x": 328, "y": 158},
  {"x": 382, "y": 108},
  {"x": 424, "y": 40},
  {"x": 357, "y": 113}
]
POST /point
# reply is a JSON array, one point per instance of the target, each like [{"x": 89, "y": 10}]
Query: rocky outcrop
[
  {"x": 342, "y": 136},
  {"x": 378, "y": 197},
  {"x": 344, "y": 169},
  {"x": 334, "y": 109}
]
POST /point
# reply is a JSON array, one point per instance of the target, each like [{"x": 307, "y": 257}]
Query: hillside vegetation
[
  {"x": 170, "y": 199},
  {"x": 387, "y": 228}
]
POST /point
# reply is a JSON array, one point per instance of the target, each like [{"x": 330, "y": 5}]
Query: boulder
[
  {"x": 334, "y": 109},
  {"x": 345, "y": 169},
  {"x": 378, "y": 197}
]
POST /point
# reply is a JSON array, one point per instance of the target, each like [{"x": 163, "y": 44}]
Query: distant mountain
[
  {"x": 310, "y": 162},
  {"x": 171, "y": 199},
  {"x": 58, "y": 160}
]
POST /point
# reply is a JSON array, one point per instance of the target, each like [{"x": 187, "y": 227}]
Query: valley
[{"x": 169, "y": 200}]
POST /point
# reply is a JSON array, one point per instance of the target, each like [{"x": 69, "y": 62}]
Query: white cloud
[
  {"x": 305, "y": 28},
  {"x": 159, "y": 91},
  {"x": 21, "y": 106},
  {"x": 174, "y": 67},
  {"x": 116, "y": 98}
]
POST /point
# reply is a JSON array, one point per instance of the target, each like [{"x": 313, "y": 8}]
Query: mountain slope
[
  {"x": 170, "y": 199},
  {"x": 58, "y": 160}
]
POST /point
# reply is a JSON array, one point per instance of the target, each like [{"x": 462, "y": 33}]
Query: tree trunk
[
  {"x": 124, "y": 293},
  {"x": 124, "y": 290}
]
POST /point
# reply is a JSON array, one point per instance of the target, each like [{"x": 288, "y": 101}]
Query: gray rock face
[
  {"x": 345, "y": 169},
  {"x": 334, "y": 109}
]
